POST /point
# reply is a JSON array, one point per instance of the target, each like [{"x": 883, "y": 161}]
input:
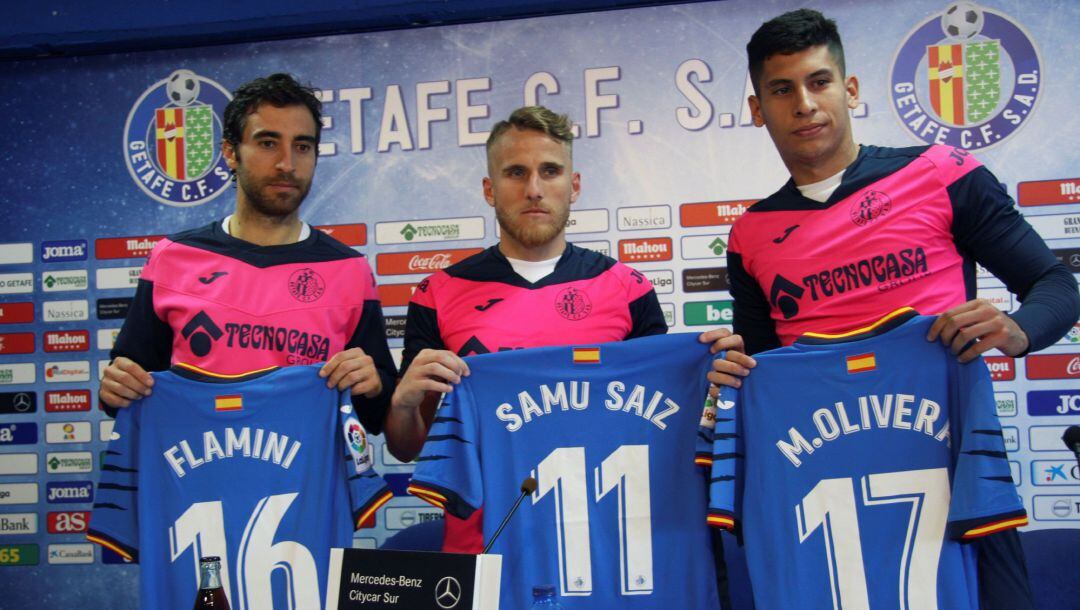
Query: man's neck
[
  {"x": 263, "y": 230},
  {"x": 804, "y": 173},
  {"x": 552, "y": 249}
]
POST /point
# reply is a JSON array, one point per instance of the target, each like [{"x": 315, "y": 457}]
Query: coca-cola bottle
[{"x": 211, "y": 594}]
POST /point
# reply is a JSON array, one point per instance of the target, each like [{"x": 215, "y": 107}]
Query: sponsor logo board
[
  {"x": 18, "y": 555},
  {"x": 1056, "y": 226},
  {"x": 16, "y": 373},
  {"x": 64, "y": 281},
  {"x": 65, "y": 311},
  {"x": 19, "y": 493},
  {"x": 67, "y": 521},
  {"x": 587, "y": 221},
  {"x": 1072, "y": 337},
  {"x": 106, "y": 338},
  {"x": 16, "y": 253},
  {"x": 705, "y": 280},
  {"x": 427, "y": 261},
  {"x": 15, "y": 524},
  {"x": 1053, "y": 366},
  {"x": 1053, "y": 402},
  {"x": 1002, "y": 368},
  {"x": 117, "y": 278},
  {"x": 64, "y": 251},
  {"x": 1006, "y": 404},
  {"x": 1046, "y": 438},
  {"x": 68, "y": 432},
  {"x": 713, "y": 213},
  {"x": 16, "y": 313},
  {"x": 67, "y": 372},
  {"x": 668, "y": 309},
  {"x": 1014, "y": 470},
  {"x": 18, "y": 402},
  {"x": 105, "y": 429},
  {"x": 348, "y": 234},
  {"x": 16, "y": 283},
  {"x": 69, "y": 462},
  {"x": 66, "y": 341},
  {"x": 109, "y": 248},
  {"x": 644, "y": 217},
  {"x": 113, "y": 309},
  {"x": 65, "y": 401},
  {"x": 418, "y": 231},
  {"x": 401, "y": 518},
  {"x": 705, "y": 246},
  {"x": 708, "y": 313},
  {"x": 998, "y": 297},
  {"x": 71, "y": 553},
  {"x": 1070, "y": 257},
  {"x": 1048, "y": 192},
  {"x": 1055, "y": 472},
  {"x": 16, "y": 343},
  {"x": 645, "y": 250},
  {"x": 1056, "y": 508},
  {"x": 69, "y": 492},
  {"x": 600, "y": 246},
  {"x": 395, "y": 327},
  {"x": 1011, "y": 436},
  {"x": 395, "y": 295},
  {"x": 663, "y": 280},
  {"x": 18, "y": 463}
]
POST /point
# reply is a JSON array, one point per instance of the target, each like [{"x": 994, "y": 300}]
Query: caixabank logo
[
  {"x": 170, "y": 140},
  {"x": 967, "y": 77}
]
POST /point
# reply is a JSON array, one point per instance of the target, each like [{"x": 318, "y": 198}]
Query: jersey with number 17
[
  {"x": 857, "y": 465},
  {"x": 609, "y": 432},
  {"x": 267, "y": 471}
]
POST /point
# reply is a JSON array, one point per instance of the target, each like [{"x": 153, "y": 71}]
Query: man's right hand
[
  {"x": 436, "y": 371},
  {"x": 123, "y": 382}
]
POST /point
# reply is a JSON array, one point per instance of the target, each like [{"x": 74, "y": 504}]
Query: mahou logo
[
  {"x": 65, "y": 401},
  {"x": 426, "y": 261},
  {"x": 1002, "y": 368},
  {"x": 645, "y": 250},
  {"x": 108, "y": 248},
  {"x": 67, "y": 341}
]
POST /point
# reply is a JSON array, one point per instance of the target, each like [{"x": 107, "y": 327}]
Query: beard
[
  {"x": 271, "y": 204},
  {"x": 533, "y": 234}
]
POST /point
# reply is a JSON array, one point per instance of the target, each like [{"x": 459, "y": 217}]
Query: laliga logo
[
  {"x": 170, "y": 140},
  {"x": 968, "y": 77}
]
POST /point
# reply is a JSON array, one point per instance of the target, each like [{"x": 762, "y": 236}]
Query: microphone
[
  {"x": 1072, "y": 440},
  {"x": 527, "y": 487}
]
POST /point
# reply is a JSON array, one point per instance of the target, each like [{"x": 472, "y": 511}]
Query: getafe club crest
[
  {"x": 170, "y": 140},
  {"x": 967, "y": 77}
]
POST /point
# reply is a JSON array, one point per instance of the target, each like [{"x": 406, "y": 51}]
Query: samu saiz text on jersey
[
  {"x": 252, "y": 443},
  {"x": 893, "y": 411},
  {"x": 570, "y": 396}
]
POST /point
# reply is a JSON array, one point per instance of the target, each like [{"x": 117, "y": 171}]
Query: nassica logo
[
  {"x": 968, "y": 77},
  {"x": 170, "y": 136}
]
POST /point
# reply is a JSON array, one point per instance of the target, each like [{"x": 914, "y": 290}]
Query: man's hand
[
  {"x": 981, "y": 322},
  {"x": 432, "y": 370},
  {"x": 734, "y": 366},
  {"x": 353, "y": 369},
  {"x": 123, "y": 382}
]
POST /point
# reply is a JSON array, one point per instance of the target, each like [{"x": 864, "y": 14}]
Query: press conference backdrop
[{"x": 668, "y": 156}]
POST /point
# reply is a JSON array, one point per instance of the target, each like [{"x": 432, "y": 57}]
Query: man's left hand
[
  {"x": 353, "y": 369},
  {"x": 734, "y": 366},
  {"x": 981, "y": 322}
]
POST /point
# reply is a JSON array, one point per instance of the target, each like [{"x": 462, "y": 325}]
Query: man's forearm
[{"x": 407, "y": 427}]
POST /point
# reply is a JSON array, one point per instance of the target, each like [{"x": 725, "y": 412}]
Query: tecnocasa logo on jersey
[
  {"x": 883, "y": 271},
  {"x": 170, "y": 140},
  {"x": 203, "y": 334},
  {"x": 967, "y": 77}
]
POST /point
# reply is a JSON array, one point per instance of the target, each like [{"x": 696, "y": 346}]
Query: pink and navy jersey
[
  {"x": 228, "y": 306},
  {"x": 482, "y": 305},
  {"x": 904, "y": 228}
]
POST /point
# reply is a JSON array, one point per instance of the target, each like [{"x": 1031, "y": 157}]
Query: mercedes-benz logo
[
  {"x": 447, "y": 592},
  {"x": 22, "y": 402}
]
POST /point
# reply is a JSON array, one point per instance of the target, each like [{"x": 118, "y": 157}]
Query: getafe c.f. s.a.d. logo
[
  {"x": 170, "y": 140},
  {"x": 968, "y": 77}
]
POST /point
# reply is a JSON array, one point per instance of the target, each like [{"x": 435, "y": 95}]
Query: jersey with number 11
[{"x": 267, "y": 472}]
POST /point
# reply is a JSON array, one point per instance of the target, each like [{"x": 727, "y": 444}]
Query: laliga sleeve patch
[
  {"x": 708, "y": 414},
  {"x": 357, "y": 442}
]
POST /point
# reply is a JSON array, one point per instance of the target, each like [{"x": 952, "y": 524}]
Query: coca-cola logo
[
  {"x": 423, "y": 261},
  {"x": 1053, "y": 366},
  {"x": 434, "y": 262},
  {"x": 1074, "y": 367}
]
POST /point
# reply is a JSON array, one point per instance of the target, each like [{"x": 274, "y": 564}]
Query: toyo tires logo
[
  {"x": 968, "y": 77},
  {"x": 170, "y": 140}
]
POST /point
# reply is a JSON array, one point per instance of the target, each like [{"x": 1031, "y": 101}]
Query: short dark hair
[
  {"x": 535, "y": 118},
  {"x": 789, "y": 33},
  {"x": 278, "y": 90}
]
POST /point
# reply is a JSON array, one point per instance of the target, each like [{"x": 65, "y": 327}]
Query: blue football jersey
[
  {"x": 857, "y": 465},
  {"x": 267, "y": 471},
  {"x": 609, "y": 432}
]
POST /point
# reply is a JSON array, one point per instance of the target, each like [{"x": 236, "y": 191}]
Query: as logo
[
  {"x": 968, "y": 77},
  {"x": 68, "y": 522},
  {"x": 170, "y": 140}
]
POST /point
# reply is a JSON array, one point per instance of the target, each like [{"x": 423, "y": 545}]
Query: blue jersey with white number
[
  {"x": 609, "y": 432},
  {"x": 267, "y": 471},
  {"x": 857, "y": 465}
]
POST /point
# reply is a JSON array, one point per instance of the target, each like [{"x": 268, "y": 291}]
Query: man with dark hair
[
  {"x": 532, "y": 289},
  {"x": 259, "y": 288},
  {"x": 860, "y": 231}
]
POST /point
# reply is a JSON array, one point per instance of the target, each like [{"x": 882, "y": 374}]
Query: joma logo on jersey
[
  {"x": 169, "y": 141},
  {"x": 886, "y": 271},
  {"x": 202, "y": 333},
  {"x": 68, "y": 493},
  {"x": 63, "y": 251}
]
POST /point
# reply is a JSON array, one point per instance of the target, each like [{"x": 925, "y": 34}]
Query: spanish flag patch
[
  {"x": 861, "y": 363},
  {"x": 586, "y": 355},
  {"x": 229, "y": 402}
]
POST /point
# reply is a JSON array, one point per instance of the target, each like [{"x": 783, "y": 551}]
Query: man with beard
[
  {"x": 259, "y": 288},
  {"x": 532, "y": 289}
]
